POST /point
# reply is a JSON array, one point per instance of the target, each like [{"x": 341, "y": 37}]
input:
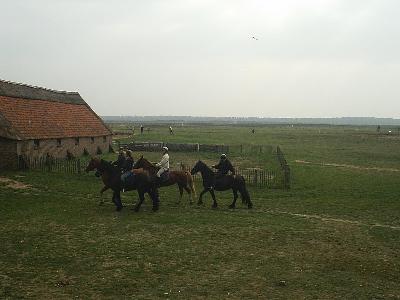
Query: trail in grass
[
  {"x": 329, "y": 219},
  {"x": 305, "y": 216},
  {"x": 346, "y": 166}
]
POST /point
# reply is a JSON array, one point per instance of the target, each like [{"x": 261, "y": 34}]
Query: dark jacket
[
  {"x": 223, "y": 167},
  {"x": 128, "y": 164},
  {"x": 120, "y": 162}
]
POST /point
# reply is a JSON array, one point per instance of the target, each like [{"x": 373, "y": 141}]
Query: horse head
[
  {"x": 143, "y": 163},
  {"x": 94, "y": 163},
  {"x": 197, "y": 167}
]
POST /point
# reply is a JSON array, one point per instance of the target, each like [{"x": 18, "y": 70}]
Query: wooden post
[
  {"x": 78, "y": 163},
  {"x": 286, "y": 171},
  {"x": 241, "y": 148},
  {"x": 255, "y": 177}
]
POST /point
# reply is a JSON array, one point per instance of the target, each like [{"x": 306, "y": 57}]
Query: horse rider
[
  {"x": 163, "y": 164},
  {"x": 224, "y": 166},
  {"x": 120, "y": 162},
  {"x": 127, "y": 167}
]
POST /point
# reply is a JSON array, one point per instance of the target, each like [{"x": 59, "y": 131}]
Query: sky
[{"x": 309, "y": 58}]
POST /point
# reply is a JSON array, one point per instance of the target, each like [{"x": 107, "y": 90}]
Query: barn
[{"x": 37, "y": 122}]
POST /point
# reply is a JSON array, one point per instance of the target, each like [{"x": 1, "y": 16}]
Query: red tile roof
[{"x": 40, "y": 119}]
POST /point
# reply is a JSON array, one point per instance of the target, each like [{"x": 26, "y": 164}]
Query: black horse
[
  {"x": 211, "y": 182},
  {"x": 111, "y": 176}
]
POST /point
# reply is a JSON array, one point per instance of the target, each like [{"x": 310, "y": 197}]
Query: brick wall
[
  {"x": 8, "y": 154},
  {"x": 59, "y": 150}
]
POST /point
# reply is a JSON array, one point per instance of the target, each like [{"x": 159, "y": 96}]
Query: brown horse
[
  {"x": 111, "y": 176},
  {"x": 183, "y": 179}
]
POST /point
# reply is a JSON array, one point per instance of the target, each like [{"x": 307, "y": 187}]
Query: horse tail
[
  {"x": 190, "y": 183},
  {"x": 244, "y": 193}
]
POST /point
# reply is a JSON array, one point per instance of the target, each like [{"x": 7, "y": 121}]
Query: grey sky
[{"x": 313, "y": 58}]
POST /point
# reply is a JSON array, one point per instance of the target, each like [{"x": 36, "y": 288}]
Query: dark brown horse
[
  {"x": 111, "y": 176},
  {"x": 183, "y": 179},
  {"x": 211, "y": 182}
]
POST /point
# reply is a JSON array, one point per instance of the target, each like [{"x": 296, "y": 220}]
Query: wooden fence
[
  {"x": 177, "y": 147},
  {"x": 50, "y": 164},
  {"x": 285, "y": 168},
  {"x": 253, "y": 176}
]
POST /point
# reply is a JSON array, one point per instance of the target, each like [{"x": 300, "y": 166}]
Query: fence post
[
  {"x": 78, "y": 163},
  {"x": 255, "y": 176},
  {"x": 286, "y": 171}
]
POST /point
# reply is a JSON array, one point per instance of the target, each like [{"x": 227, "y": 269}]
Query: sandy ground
[{"x": 16, "y": 185}]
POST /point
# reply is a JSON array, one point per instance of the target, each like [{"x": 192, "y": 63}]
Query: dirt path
[
  {"x": 346, "y": 166},
  {"x": 337, "y": 220},
  {"x": 16, "y": 185}
]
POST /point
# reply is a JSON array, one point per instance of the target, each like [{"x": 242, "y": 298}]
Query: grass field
[{"x": 334, "y": 234}]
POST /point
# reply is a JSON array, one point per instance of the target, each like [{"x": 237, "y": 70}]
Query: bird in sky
[{"x": 254, "y": 38}]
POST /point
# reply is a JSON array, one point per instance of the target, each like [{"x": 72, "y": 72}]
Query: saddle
[{"x": 164, "y": 176}]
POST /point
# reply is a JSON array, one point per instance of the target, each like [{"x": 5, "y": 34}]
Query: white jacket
[{"x": 164, "y": 163}]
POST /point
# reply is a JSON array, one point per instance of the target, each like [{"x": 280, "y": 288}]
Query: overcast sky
[{"x": 313, "y": 58}]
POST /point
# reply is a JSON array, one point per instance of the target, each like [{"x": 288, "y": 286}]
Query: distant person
[
  {"x": 253, "y": 131},
  {"x": 224, "y": 166},
  {"x": 170, "y": 130},
  {"x": 378, "y": 129},
  {"x": 163, "y": 164},
  {"x": 141, "y": 129}
]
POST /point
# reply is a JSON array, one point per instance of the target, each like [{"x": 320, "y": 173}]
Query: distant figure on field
[
  {"x": 170, "y": 130},
  {"x": 224, "y": 166},
  {"x": 378, "y": 129},
  {"x": 253, "y": 131},
  {"x": 141, "y": 129}
]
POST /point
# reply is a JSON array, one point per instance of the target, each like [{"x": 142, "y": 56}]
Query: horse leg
[
  {"x": 180, "y": 193},
  {"x": 235, "y": 196},
  {"x": 155, "y": 198},
  {"x": 117, "y": 200},
  {"x": 215, "y": 204},
  {"x": 141, "y": 199},
  {"x": 189, "y": 191},
  {"x": 105, "y": 188},
  {"x": 200, "y": 202}
]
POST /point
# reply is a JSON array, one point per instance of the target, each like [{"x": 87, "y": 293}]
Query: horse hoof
[
  {"x": 250, "y": 206},
  {"x": 231, "y": 206},
  {"x": 214, "y": 206},
  {"x": 119, "y": 208},
  {"x": 155, "y": 208},
  {"x": 199, "y": 203}
]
